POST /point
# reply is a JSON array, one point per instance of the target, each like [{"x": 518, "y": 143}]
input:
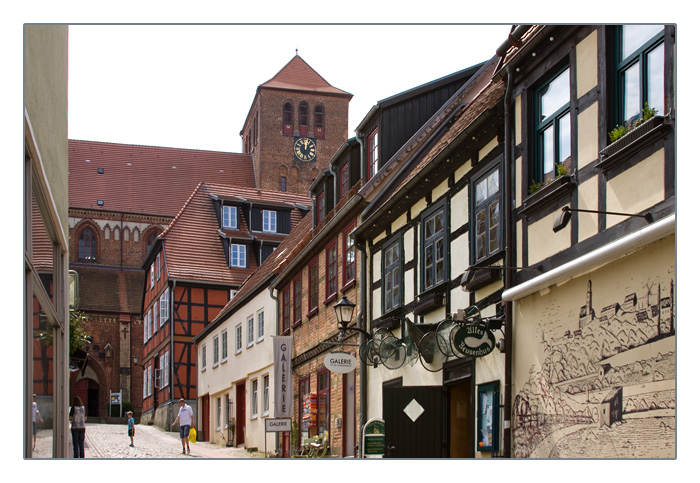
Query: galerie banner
[{"x": 282, "y": 353}]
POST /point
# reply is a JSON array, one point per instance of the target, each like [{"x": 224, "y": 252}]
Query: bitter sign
[{"x": 341, "y": 362}]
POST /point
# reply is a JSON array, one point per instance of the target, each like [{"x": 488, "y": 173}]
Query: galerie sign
[
  {"x": 282, "y": 353},
  {"x": 473, "y": 340},
  {"x": 341, "y": 362}
]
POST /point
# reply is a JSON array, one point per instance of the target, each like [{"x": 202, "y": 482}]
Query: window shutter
[
  {"x": 284, "y": 222},
  {"x": 256, "y": 219}
]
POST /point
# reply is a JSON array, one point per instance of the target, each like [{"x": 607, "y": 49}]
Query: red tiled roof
[
  {"x": 298, "y": 75},
  {"x": 110, "y": 290},
  {"x": 147, "y": 179},
  {"x": 192, "y": 242}
]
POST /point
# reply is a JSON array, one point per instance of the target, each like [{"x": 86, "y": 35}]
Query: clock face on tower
[{"x": 305, "y": 149}]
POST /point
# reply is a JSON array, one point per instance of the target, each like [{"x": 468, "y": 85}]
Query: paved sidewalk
[{"x": 111, "y": 441}]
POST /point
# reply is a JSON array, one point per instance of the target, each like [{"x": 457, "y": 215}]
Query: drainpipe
[
  {"x": 361, "y": 322},
  {"x": 277, "y": 316},
  {"x": 361, "y": 139},
  {"x": 313, "y": 210},
  {"x": 510, "y": 262}
]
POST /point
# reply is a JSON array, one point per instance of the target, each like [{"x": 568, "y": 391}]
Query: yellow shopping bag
[{"x": 193, "y": 435}]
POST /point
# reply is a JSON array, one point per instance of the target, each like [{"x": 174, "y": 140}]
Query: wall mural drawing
[{"x": 604, "y": 385}]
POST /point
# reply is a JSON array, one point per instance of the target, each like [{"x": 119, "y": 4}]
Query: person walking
[
  {"x": 35, "y": 415},
  {"x": 184, "y": 416},
  {"x": 130, "y": 427},
  {"x": 77, "y": 427}
]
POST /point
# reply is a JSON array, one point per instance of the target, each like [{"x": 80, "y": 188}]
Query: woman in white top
[{"x": 77, "y": 427}]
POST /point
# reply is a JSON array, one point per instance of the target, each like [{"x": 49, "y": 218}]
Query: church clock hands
[{"x": 305, "y": 149}]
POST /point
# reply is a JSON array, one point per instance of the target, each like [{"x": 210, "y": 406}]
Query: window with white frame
[
  {"x": 155, "y": 316},
  {"x": 261, "y": 325},
  {"x": 153, "y": 274},
  {"x": 373, "y": 154},
  {"x": 251, "y": 328},
  {"x": 204, "y": 357},
  {"x": 145, "y": 383},
  {"x": 266, "y": 395},
  {"x": 165, "y": 367},
  {"x": 150, "y": 380},
  {"x": 224, "y": 346},
  {"x": 229, "y": 217},
  {"x": 158, "y": 266},
  {"x": 239, "y": 338},
  {"x": 215, "y": 353},
  {"x": 145, "y": 328},
  {"x": 238, "y": 255},
  {"x": 164, "y": 306},
  {"x": 269, "y": 221},
  {"x": 254, "y": 398}
]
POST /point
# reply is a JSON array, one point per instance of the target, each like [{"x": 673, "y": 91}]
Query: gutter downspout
[
  {"x": 277, "y": 316},
  {"x": 510, "y": 262},
  {"x": 361, "y": 323},
  {"x": 313, "y": 210}
]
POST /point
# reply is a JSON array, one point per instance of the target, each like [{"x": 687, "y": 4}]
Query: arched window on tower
[
  {"x": 288, "y": 119},
  {"x": 303, "y": 119},
  {"x": 283, "y": 183},
  {"x": 87, "y": 245},
  {"x": 319, "y": 121}
]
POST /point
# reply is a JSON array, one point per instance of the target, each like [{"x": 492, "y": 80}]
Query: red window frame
[
  {"x": 323, "y": 394},
  {"x": 313, "y": 286},
  {"x": 286, "y": 309},
  {"x": 373, "y": 154},
  {"x": 349, "y": 267},
  {"x": 331, "y": 270},
  {"x": 296, "y": 300}
]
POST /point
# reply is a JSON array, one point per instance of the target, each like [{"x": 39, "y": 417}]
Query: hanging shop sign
[
  {"x": 282, "y": 354},
  {"x": 473, "y": 340},
  {"x": 341, "y": 362}
]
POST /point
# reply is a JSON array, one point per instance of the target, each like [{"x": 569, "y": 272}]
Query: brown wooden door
[
  {"x": 459, "y": 422},
  {"x": 205, "y": 418},
  {"x": 240, "y": 413}
]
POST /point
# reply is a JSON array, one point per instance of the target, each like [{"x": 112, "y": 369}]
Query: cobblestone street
[{"x": 111, "y": 441}]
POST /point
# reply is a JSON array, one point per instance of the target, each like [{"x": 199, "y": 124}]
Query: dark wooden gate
[{"x": 417, "y": 437}]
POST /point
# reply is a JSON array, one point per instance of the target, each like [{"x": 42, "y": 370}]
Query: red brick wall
[{"x": 273, "y": 153}]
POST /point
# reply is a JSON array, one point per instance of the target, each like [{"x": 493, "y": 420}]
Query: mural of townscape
[{"x": 605, "y": 387}]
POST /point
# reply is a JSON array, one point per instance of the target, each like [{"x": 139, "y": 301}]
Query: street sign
[{"x": 278, "y": 425}]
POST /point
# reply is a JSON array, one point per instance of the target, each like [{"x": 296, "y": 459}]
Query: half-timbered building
[
  {"x": 219, "y": 238},
  {"x": 591, "y": 140}
]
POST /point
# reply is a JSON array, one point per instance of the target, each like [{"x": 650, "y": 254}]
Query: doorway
[
  {"x": 459, "y": 408},
  {"x": 240, "y": 413},
  {"x": 205, "y": 418},
  {"x": 413, "y": 417}
]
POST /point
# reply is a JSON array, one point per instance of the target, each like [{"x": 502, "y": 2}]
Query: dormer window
[
  {"x": 269, "y": 221},
  {"x": 229, "y": 217},
  {"x": 238, "y": 255},
  {"x": 373, "y": 154}
]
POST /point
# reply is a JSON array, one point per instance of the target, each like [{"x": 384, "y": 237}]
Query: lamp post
[
  {"x": 343, "y": 312},
  {"x": 136, "y": 362}
]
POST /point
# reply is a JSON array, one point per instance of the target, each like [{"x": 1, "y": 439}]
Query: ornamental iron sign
[{"x": 473, "y": 340}]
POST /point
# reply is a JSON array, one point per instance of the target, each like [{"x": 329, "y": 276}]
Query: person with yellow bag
[{"x": 185, "y": 417}]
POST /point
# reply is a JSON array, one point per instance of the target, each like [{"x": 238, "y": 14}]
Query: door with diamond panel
[{"x": 414, "y": 420}]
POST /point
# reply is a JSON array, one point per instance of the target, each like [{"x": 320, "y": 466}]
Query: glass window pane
[
  {"x": 481, "y": 191},
  {"x": 548, "y": 150},
  {"x": 555, "y": 95},
  {"x": 480, "y": 222},
  {"x": 632, "y": 92},
  {"x": 438, "y": 223},
  {"x": 429, "y": 228},
  {"x": 655, "y": 79},
  {"x": 634, "y": 36},
  {"x": 564, "y": 138},
  {"x": 481, "y": 246},
  {"x": 492, "y": 183}
]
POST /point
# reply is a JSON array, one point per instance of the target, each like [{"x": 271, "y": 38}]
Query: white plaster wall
[
  {"x": 543, "y": 242},
  {"x": 587, "y": 64},
  {"x": 636, "y": 189},
  {"x": 587, "y": 200},
  {"x": 588, "y": 136}
]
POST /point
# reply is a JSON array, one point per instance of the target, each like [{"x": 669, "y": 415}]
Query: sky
[{"x": 191, "y": 86}]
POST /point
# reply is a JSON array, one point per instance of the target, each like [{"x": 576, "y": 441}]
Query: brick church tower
[{"x": 296, "y": 123}]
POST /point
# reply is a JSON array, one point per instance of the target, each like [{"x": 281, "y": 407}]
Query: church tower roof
[{"x": 298, "y": 75}]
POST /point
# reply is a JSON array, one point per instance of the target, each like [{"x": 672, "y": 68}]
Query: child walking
[{"x": 131, "y": 429}]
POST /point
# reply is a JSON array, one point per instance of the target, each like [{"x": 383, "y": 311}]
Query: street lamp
[
  {"x": 136, "y": 362},
  {"x": 343, "y": 312}
]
